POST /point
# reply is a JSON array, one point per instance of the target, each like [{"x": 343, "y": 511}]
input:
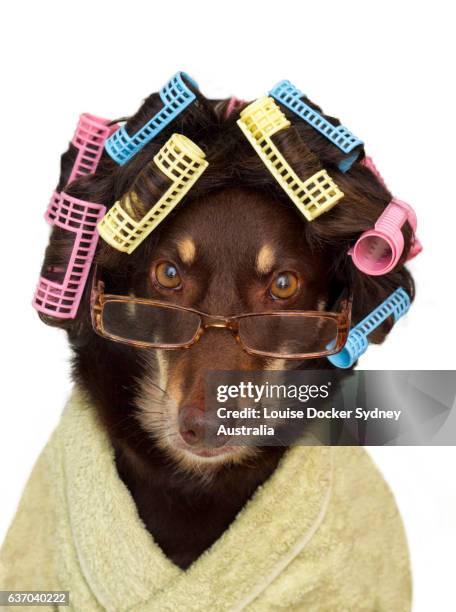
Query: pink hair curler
[
  {"x": 61, "y": 299},
  {"x": 378, "y": 250},
  {"x": 53, "y": 207},
  {"x": 234, "y": 105},
  {"x": 369, "y": 163},
  {"x": 89, "y": 139}
]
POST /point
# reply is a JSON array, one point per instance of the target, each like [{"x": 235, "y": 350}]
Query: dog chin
[{"x": 201, "y": 457}]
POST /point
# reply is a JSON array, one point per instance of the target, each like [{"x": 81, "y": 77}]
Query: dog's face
[{"x": 230, "y": 253}]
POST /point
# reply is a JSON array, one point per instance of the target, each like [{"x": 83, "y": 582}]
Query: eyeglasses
[{"x": 288, "y": 334}]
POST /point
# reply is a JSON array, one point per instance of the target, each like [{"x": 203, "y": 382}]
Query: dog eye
[
  {"x": 167, "y": 275},
  {"x": 284, "y": 286}
]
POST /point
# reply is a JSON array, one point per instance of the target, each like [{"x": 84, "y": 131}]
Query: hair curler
[
  {"x": 233, "y": 105},
  {"x": 89, "y": 139},
  {"x": 369, "y": 163},
  {"x": 61, "y": 299},
  {"x": 378, "y": 250},
  {"x": 53, "y": 207},
  {"x": 183, "y": 162},
  {"x": 259, "y": 122},
  {"x": 291, "y": 97},
  {"x": 176, "y": 95},
  {"x": 396, "y": 305}
]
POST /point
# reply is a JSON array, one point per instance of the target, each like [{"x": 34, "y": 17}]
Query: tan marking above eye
[
  {"x": 284, "y": 286},
  {"x": 167, "y": 275},
  {"x": 321, "y": 304},
  {"x": 265, "y": 259},
  {"x": 187, "y": 250}
]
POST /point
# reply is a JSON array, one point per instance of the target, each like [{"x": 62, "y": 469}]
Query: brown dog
[{"x": 235, "y": 245}]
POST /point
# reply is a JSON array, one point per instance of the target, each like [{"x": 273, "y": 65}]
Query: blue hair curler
[
  {"x": 290, "y": 96},
  {"x": 176, "y": 96},
  {"x": 397, "y": 304}
]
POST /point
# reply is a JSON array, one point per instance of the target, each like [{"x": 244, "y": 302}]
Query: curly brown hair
[{"x": 233, "y": 163}]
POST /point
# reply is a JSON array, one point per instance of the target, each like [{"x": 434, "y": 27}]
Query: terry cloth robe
[{"x": 322, "y": 534}]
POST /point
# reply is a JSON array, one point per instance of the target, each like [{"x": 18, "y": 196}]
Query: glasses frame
[{"x": 99, "y": 299}]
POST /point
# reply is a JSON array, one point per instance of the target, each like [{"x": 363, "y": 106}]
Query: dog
[{"x": 234, "y": 245}]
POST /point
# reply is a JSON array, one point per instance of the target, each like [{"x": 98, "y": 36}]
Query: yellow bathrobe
[{"x": 322, "y": 534}]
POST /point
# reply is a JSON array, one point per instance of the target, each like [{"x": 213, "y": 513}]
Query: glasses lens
[
  {"x": 284, "y": 335},
  {"x": 155, "y": 325}
]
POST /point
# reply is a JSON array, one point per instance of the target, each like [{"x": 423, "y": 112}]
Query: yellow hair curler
[
  {"x": 183, "y": 162},
  {"x": 314, "y": 196}
]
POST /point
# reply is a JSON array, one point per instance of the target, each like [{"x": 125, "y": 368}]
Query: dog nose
[
  {"x": 192, "y": 425},
  {"x": 199, "y": 427}
]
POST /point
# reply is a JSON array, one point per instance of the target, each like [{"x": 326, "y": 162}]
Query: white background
[{"x": 385, "y": 68}]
